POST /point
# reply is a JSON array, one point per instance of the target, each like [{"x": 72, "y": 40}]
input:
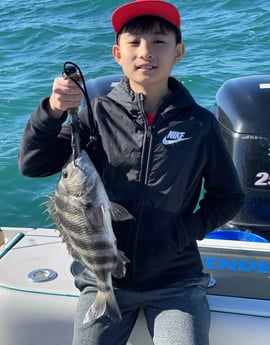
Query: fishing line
[{"x": 72, "y": 71}]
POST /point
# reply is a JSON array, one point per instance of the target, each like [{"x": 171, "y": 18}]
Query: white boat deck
[{"x": 42, "y": 312}]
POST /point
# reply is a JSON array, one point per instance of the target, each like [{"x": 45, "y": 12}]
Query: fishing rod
[
  {"x": 70, "y": 72},
  {"x": 73, "y": 72}
]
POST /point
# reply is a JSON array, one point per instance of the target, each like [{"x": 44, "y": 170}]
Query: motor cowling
[{"x": 242, "y": 108}]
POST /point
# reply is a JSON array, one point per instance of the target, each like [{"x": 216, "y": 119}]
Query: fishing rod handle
[{"x": 70, "y": 72}]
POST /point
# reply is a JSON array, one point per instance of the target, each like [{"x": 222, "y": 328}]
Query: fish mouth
[{"x": 76, "y": 162}]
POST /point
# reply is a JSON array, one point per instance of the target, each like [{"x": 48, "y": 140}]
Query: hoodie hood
[{"x": 180, "y": 97}]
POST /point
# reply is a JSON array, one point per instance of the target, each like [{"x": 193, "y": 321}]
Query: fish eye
[{"x": 65, "y": 174}]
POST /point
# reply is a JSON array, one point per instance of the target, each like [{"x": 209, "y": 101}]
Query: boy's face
[{"x": 147, "y": 58}]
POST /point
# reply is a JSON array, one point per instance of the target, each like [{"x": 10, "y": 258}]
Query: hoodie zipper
[{"x": 143, "y": 178}]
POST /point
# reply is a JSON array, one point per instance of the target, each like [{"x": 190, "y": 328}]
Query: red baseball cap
[{"x": 137, "y": 8}]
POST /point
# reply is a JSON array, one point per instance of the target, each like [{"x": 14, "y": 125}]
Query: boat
[{"x": 37, "y": 294}]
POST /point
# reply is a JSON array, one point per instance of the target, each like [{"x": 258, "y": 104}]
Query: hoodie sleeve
[
  {"x": 46, "y": 143},
  {"x": 223, "y": 194}
]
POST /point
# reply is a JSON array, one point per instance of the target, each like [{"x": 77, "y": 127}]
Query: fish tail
[{"x": 105, "y": 304}]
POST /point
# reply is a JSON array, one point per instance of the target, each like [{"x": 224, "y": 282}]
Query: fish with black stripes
[{"x": 83, "y": 214}]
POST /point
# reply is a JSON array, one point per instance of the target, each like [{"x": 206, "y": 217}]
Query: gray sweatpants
[{"x": 176, "y": 315}]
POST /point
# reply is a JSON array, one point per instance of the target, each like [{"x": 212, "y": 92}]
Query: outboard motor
[{"x": 243, "y": 110}]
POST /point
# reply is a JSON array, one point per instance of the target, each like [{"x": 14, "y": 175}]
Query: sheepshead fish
[{"x": 82, "y": 213}]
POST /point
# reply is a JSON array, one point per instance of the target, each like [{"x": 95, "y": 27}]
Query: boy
[{"x": 155, "y": 147}]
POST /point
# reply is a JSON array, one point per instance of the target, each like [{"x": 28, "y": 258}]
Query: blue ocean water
[{"x": 223, "y": 40}]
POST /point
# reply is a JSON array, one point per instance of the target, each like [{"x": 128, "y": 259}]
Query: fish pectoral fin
[
  {"x": 119, "y": 213},
  {"x": 95, "y": 216},
  {"x": 120, "y": 269}
]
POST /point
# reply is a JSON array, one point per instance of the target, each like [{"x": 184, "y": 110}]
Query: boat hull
[{"x": 42, "y": 311}]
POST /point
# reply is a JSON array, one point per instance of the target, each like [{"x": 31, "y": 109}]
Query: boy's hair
[{"x": 147, "y": 23}]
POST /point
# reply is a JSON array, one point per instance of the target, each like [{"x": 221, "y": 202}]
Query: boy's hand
[{"x": 65, "y": 94}]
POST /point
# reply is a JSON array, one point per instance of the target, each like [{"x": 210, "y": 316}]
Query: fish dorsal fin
[{"x": 119, "y": 213}]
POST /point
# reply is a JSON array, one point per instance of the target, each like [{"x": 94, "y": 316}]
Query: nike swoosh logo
[
  {"x": 174, "y": 137},
  {"x": 166, "y": 141}
]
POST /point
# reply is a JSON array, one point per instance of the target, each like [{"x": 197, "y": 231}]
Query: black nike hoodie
[{"x": 157, "y": 172}]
